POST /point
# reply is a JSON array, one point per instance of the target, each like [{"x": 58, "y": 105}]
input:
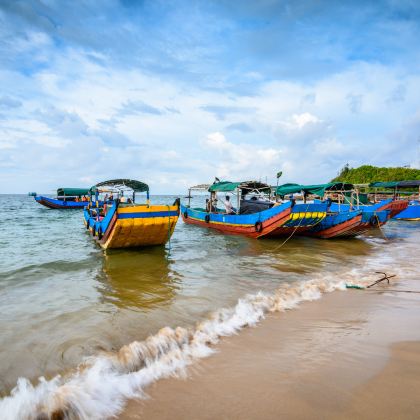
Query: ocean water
[{"x": 82, "y": 329}]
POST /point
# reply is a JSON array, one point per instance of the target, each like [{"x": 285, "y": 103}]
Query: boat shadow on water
[{"x": 137, "y": 279}]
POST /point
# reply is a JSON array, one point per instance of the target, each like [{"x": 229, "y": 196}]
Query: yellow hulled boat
[{"x": 122, "y": 223}]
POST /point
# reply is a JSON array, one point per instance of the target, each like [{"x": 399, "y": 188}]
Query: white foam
[{"x": 100, "y": 386}]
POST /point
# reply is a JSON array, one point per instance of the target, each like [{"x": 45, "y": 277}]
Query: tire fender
[{"x": 258, "y": 227}]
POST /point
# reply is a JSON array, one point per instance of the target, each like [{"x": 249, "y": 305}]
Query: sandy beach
[{"x": 353, "y": 354}]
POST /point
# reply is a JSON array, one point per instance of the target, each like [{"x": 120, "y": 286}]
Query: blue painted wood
[
  {"x": 60, "y": 204},
  {"x": 411, "y": 212},
  {"x": 334, "y": 219},
  {"x": 236, "y": 219}
]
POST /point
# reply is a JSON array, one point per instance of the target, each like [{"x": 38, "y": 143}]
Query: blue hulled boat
[
  {"x": 412, "y": 209},
  {"x": 255, "y": 215},
  {"x": 67, "y": 198},
  {"x": 342, "y": 220}
]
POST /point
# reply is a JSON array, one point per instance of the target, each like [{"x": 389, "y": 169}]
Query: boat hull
[
  {"x": 412, "y": 212},
  {"x": 127, "y": 226},
  {"x": 336, "y": 225},
  {"x": 395, "y": 207},
  {"x": 54, "y": 203},
  {"x": 302, "y": 218},
  {"x": 255, "y": 225}
]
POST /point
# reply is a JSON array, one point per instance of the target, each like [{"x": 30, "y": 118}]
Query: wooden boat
[
  {"x": 255, "y": 215},
  {"x": 67, "y": 198},
  {"x": 342, "y": 220},
  {"x": 401, "y": 191},
  {"x": 412, "y": 212},
  {"x": 122, "y": 223}
]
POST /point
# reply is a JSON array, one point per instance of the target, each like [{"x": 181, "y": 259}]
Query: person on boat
[
  {"x": 228, "y": 206},
  {"x": 213, "y": 202}
]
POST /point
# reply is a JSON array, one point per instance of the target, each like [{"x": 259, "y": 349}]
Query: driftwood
[{"x": 384, "y": 277}]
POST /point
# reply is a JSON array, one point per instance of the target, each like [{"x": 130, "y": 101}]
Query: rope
[
  {"x": 380, "y": 228},
  {"x": 169, "y": 231},
  {"x": 296, "y": 228}
]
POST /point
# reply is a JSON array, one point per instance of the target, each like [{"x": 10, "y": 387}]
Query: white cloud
[{"x": 72, "y": 108}]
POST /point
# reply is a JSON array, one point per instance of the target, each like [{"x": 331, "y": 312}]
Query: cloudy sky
[{"x": 176, "y": 92}]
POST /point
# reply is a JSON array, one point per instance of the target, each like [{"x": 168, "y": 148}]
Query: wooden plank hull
[
  {"x": 336, "y": 225},
  {"x": 412, "y": 212},
  {"x": 254, "y": 225},
  {"x": 54, "y": 203},
  {"x": 279, "y": 220},
  {"x": 302, "y": 218},
  {"x": 133, "y": 225},
  {"x": 395, "y": 207}
]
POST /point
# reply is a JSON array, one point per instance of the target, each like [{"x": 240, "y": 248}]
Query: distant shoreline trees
[{"x": 367, "y": 173}]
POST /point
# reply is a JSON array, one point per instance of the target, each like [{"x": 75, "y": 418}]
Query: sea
[{"x": 82, "y": 330}]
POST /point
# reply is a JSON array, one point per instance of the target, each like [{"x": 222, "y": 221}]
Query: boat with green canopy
[
  {"x": 250, "y": 210},
  {"x": 115, "y": 220},
  {"x": 66, "y": 198},
  {"x": 406, "y": 190},
  {"x": 336, "y": 223}
]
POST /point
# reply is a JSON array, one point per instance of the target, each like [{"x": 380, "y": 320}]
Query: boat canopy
[
  {"x": 245, "y": 186},
  {"x": 122, "y": 184},
  {"x": 72, "y": 192},
  {"x": 396, "y": 184},
  {"x": 389, "y": 184},
  {"x": 318, "y": 189}
]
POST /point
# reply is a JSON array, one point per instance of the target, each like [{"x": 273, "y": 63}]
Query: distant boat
[
  {"x": 255, "y": 214},
  {"x": 115, "y": 220},
  {"x": 67, "y": 198},
  {"x": 32, "y": 194},
  {"x": 412, "y": 208}
]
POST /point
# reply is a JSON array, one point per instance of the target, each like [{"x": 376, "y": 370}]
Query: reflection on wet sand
[{"x": 137, "y": 280}]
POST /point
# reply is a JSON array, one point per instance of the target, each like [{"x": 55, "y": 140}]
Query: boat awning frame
[
  {"x": 121, "y": 185},
  {"x": 246, "y": 186}
]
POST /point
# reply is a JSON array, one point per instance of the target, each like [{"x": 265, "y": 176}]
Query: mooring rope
[
  {"x": 296, "y": 228},
  {"x": 169, "y": 231},
  {"x": 380, "y": 228}
]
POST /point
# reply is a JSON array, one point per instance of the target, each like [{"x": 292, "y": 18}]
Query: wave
[{"x": 100, "y": 386}]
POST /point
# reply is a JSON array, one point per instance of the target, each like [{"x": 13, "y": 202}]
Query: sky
[{"x": 174, "y": 93}]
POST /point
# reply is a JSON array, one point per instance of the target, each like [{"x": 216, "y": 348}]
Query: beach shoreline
[{"x": 349, "y": 354}]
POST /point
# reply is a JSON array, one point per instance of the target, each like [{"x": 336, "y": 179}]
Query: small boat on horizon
[
  {"x": 115, "y": 220},
  {"x": 256, "y": 214},
  {"x": 67, "y": 198}
]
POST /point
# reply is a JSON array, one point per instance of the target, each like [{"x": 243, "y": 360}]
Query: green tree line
[{"x": 367, "y": 173}]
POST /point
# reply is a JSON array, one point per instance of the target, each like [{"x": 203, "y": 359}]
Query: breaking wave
[{"x": 99, "y": 387}]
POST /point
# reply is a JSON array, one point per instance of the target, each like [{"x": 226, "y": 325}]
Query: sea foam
[{"x": 100, "y": 386}]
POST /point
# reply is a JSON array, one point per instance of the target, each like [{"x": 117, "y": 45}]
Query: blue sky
[{"x": 174, "y": 93}]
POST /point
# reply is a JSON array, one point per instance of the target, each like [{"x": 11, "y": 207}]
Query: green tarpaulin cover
[
  {"x": 72, "y": 191},
  {"x": 390, "y": 184},
  {"x": 396, "y": 184},
  {"x": 224, "y": 186},
  {"x": 318, "y": 189}
]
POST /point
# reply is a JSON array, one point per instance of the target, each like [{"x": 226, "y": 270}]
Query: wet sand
[{"x": 353, "y": 354}]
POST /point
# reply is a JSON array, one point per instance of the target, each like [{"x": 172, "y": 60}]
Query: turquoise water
[{"x": 63, "y": 299}]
